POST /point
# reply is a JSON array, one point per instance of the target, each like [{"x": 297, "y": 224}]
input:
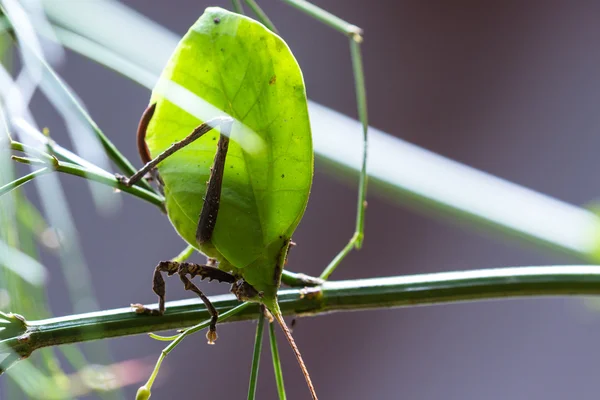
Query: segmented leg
[
  {"x": 207, "y": 219},
  {"x": 143, "y": 151},
  {"x": 183, "y": 270},
  {"x": 201, "y": 270},
  {"x": 354, "y": 33},
  {"x": 224, "y": 122},
  {"x": 212, "y": 199},
  {"x": 141, "y": 133}
]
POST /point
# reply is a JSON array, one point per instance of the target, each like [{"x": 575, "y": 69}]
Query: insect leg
[
  {"x": 354, "y": 34},
  {"x": 141, "y": 133},
  {"x": 151, "y": 164},
  {"x": 212, "y": 199},
  {"x": 205, "y": 272},
  {"x": 172, "y": 267},
  {"x": 158, "y": 286}
]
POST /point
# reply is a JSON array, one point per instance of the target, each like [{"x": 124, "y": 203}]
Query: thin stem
[
  {"x": 261, "y": 15},
  {"x": 23, "y": 180},
  {"x": 111, "y": 150},
  {"x": 96, "y": 176},
  {"x": 10, "y": 360},
  {"x": 18, "y": 146},
  {"x": 52, "y": 147},
  {"x": 237, "y": 6},
  {"x": 327, "y": 18},
  {"x": 165, "y": 352},
  {"x": 111, "y": 181},
  {"x": 256, "y": 356},
  {"x": 402, "y": 291},
  {"x": 276, "y": 362}
]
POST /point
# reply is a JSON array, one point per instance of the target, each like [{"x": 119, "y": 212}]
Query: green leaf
[{"x": 241, "y": 69}]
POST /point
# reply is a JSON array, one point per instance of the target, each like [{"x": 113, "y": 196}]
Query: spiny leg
[
  {"x": 173, "y": 267},
  {"x": 205, "y": 272},
  {"x": 224, "y": 122},
  {"x": 212, "y": 198},
  {"x": 183, "y": 269},
  {"x": 355, "y": 36},
  {"x": 207, "y": 218}
]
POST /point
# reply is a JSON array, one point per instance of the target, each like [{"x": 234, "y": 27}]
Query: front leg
[
  {"x": 224, "y": 122},
  {"x": 158, "y": 286}
]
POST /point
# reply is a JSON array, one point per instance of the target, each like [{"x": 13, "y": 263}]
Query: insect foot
[
  {"x": 140, "y": 309},
  {"x": 268, "y": 314},
  {"x": 211, "y": 336},
  {"x": 122, "y": 179}
]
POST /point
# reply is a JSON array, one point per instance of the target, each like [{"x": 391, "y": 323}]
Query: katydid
[
  {"x": 237, "y": 207},
  {"x": 238, "y": 201}
]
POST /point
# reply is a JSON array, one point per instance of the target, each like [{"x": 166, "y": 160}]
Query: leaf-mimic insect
[{"x": 227, "y": 135}]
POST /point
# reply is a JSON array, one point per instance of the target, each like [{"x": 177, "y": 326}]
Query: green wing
[{"x": 238, "y": 66}]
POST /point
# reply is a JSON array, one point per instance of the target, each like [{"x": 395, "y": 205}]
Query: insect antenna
[{"x": 292, "y": 343}]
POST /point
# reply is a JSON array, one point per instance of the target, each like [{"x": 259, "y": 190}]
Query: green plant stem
[
  {"x": 165, "y": 352},
  {"x": 51, "y": 146},
  {"x": 261, "y": 15},
  {"x": 256, "y": 356},
  {"x": 14, "y": 145},
  {"x": 237, "y": 6},
  {"x": 276, "y": 362},
  {"x": 90, "y": 171},
  {"x": 445, "y": 287},
  {"x": 97, "y": 176},
  {"x": 122, "y": 163},
  {"x": 23, "y": 180},
  {"x": 326, "y": 17}
]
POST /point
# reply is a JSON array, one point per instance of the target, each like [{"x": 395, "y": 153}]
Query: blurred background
[{"x": 511, "y": 88}]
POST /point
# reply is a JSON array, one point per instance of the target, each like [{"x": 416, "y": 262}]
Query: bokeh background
[{"x": 511, "y": 88}]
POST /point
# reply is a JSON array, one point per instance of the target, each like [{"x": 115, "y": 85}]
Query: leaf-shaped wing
[{"x": 238, "y": 66}]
